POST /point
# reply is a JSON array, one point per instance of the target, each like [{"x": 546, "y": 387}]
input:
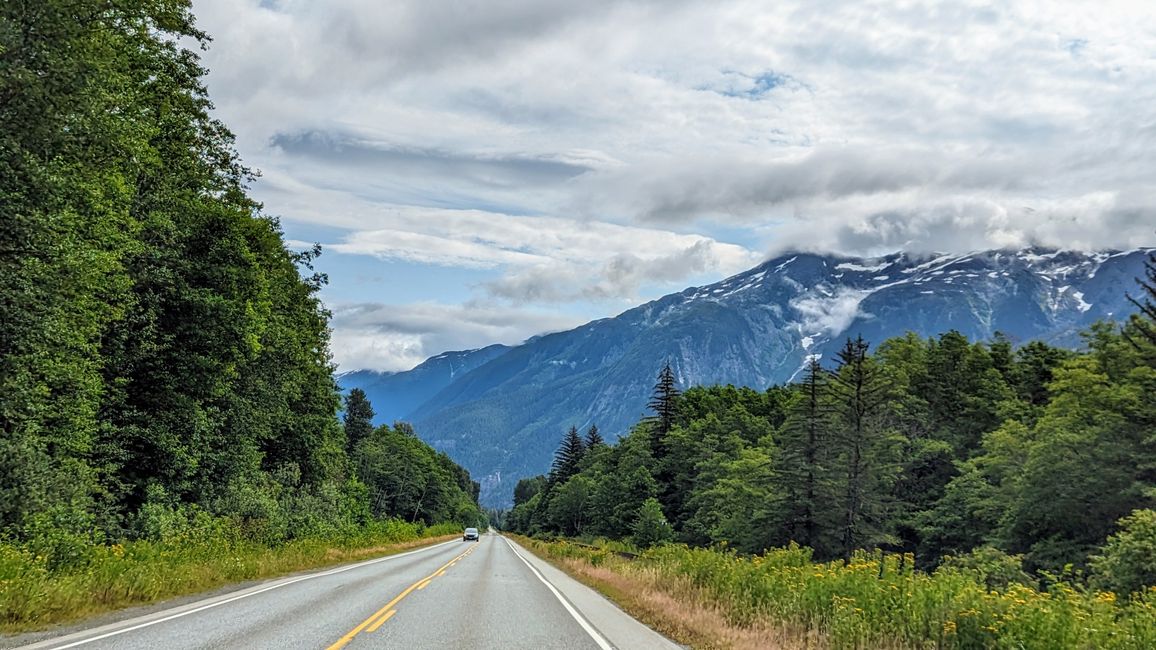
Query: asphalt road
[{"x": 486, "y": 594}]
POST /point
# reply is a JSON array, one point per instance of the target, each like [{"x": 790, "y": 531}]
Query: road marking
[
  {"x": 247, "y": 595},
  {"x": 594, "y": 634},
  {"x": 381, "y": 621},
  {"x": 382, "y": 615}
]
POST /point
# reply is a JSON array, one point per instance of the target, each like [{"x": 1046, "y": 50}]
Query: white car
[{"x": 471, "y": 533}]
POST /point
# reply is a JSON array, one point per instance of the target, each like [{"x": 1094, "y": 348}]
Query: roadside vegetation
[
  {"x": 204, "y": 555},
  {"x": 936, "y": 491},
  {"x": 169, "y": 419},
  {"x": 716, "y": 598}
]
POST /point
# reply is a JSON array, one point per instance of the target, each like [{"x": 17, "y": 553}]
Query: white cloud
[
  {"x": 603, "y": 150},
  {"x": 828, "y": 315},
  {"x": 375, "y": 336},
  {"x": 738, "y": 110}
]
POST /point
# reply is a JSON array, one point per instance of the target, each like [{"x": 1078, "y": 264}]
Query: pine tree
[
  {"x": 358, "y": 418},
  {"x": 593, "y": 437},
  {"x": 568, "y": 457},
  {"x": 664, "y": 403},
  {"x": 1143, "y": 325},
  {"x": 802, "y": 465},
  {"x": 859, "y": 393}
]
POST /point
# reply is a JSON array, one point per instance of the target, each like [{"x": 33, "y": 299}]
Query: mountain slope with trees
[
  {"x": 937, "y": 447},
  {"x": 500, "y": 410}
]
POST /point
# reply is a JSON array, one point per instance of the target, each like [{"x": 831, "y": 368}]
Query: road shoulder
[{"x": 618, "y": 627}]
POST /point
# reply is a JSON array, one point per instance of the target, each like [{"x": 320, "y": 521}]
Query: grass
[
  {"x": 34, "y": 595},
  {"x": 712, "y": 598}
]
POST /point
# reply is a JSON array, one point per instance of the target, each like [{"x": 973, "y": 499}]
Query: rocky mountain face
[{"x": 500, "y": 411}]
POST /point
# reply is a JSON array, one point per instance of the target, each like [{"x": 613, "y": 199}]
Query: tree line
[
  {"x": 939, "y": 447},
  {"x": 160, "y": 348}
]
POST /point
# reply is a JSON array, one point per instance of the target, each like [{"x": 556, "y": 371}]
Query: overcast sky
[{"x": 482, "y": 171}]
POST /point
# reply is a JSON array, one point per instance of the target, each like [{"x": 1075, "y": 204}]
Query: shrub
[
  {"x": 651, "y": 527},
  {"x": 1127, "y": 563},
  {"x": 991, "y": 567}
]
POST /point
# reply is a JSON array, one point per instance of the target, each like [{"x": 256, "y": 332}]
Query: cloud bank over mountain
[{"x": 578, "y": 157}]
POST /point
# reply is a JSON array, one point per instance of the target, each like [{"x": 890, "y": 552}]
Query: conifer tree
[
  {"x": 802, "y": 472},
  {"x": 593, "y": 437},
  {"x": 567, "y": 457},
  {"x": 664, "y": 402},
  {"x": 358, "y": 418},
  {"x": 859, "y": 393},
  {"x": 1143, "y": 325}
]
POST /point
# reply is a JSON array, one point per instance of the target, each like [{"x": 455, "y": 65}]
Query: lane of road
[{"x": 485, "y": 594}]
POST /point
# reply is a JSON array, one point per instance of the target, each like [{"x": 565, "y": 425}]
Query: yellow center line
[
  {"x": 381, "y": 621},
  {"x": 382, "y": 615}
]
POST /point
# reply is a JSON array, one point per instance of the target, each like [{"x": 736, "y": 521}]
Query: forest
[
  {"x": 1031, "y": 459},
  {"x": 164, "y": 359}
]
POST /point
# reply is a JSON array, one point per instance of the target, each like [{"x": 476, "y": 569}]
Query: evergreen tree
[
  {"x": 358, "y": 418},
  {"x": 593, "y": 438},
  {"x": 664, "y": 403},
  {"x": 803, "y": 475},
  {"x": 527, "y": 488},
  {"x": 568, "y": 457},
  {"x": 1143, "y": 325},
  {"x": 860, "y": 393}
]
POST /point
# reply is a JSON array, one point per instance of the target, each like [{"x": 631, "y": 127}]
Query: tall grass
[
  {"x": 37, "y": 590},
  {"x": 881, "y": 601}
]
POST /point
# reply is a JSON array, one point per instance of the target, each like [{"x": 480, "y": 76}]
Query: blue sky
[{"x": 483, "y": 172}]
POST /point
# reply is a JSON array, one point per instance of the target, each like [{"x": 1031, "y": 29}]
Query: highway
[{"x": 486, "y": 594}]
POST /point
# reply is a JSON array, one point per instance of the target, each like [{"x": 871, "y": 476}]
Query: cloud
[
  {"x": 734, "y": 111},
  {"x": 1091, "y": 222},
  {"x": 620, "y": 276},
  {"x": 349, "y": 150},
  {"x": 828, "y": 315},
  {"x": 607, "y": 150},
  {"x": 546, "y": 259},
  {"x": 375, "y": 336}
]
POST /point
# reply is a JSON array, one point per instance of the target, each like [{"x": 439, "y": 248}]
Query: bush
[
  {"x": 991, "y": 567},
  {"x": 651, "y": 527},
  {"x": 1127, "y": 563}
]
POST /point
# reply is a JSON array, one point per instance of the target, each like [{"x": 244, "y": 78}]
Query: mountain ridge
[{"x": 503, "y": 412}]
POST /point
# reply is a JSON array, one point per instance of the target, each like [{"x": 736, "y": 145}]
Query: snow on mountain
[{"x": 504, "y": 409}]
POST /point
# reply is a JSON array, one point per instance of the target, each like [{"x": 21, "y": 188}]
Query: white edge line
[
  {"x": 594, "y": 634},
  {"x": 244, "y": 595}
]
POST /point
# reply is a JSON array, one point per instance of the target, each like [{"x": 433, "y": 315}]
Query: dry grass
[{"x": 677, "y": 609}]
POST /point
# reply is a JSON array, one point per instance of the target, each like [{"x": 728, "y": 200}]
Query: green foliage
[
  {"x": 358, "y": 418},
  {"x": 1127, "y": 563},
  {"x": 164, "y": 359},
  {"x": 1003, "y": 463},
  {"x": 192, "y": 552},
  {"x": 651, "y": 527},
  {"x": 593, "y": 438},
  {"x": 991, "y": 567},
  {"x": 569, "y": 505},
  {"x": 568, "y": 457},
  {"x": 664, "y": 402},
  {"x": 878, "y": 600}
]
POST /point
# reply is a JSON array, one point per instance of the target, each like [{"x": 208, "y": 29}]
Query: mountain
[
  {"x": 394, "y": 394},
  {"x": 501, "y": 411}
]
